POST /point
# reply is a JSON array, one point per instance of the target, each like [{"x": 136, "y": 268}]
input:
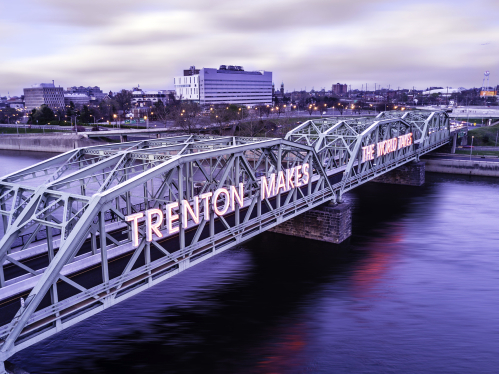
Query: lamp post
[{"x": 471, "y": 149}]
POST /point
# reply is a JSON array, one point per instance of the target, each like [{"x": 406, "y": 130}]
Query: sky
[{"x": 308, "y": 44}]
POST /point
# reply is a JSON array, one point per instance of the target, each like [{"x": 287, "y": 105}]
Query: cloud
[{"x": 118, "y": 44}]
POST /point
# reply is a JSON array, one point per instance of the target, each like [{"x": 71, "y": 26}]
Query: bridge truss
[{"x": 67, "y": 215}]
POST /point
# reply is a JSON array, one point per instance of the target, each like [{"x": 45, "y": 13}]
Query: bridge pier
[
  {"x": 326, "y": 223},
  {"x": 123, "y": 138},
  {"x": 410, "y": 174}
]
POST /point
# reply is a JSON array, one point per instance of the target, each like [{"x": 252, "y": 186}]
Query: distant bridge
[{"x": 154, "y": 208}]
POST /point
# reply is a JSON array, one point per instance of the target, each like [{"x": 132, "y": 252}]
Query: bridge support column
[
  {"x": 123, "y": 138},
  {"x": 326, "y": 223},
  {"x": 411, "y": 174},
  {"x": 454, "y": 142}
]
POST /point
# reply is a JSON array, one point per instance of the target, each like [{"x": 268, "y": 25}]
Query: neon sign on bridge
[{"x": 221, "y": 202}]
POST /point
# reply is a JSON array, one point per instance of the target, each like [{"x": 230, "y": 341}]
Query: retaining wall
[
  {"x": 45, "y": 143},
  {"x": 465, "y": 167}
]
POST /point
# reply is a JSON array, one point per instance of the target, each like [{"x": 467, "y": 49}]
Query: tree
[
  {"x": 341, "y": 108},
  {"x": 252, "y": 125},
  {"x": 9, "y": 115},
  {"x": 107, "y": 108},
  {"x": 161, "y": 111},
  {"x": 42, "y": 115},
  {"x": 222, "y": 115},
  {"x": 187, "y": 116},
  {"x": 124, "y": 100},
  {"x": 85, "y": 115}
]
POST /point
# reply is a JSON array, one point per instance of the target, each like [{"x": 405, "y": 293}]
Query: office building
[
  {"x": 94, "y": 93},
  {"x": 141, "y": 98},
  {"x": 340, "y": 89},
  {"x": 77, "y": 99},
  {"x": 225, "y": 85},
  {"x": 44, "y": 94}
]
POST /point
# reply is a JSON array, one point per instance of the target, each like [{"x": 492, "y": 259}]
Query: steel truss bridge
[{"x": 66, "y": 251}]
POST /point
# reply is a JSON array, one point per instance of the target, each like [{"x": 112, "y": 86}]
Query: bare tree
[
  {"x": 252, "y": 125},
  {"x": 161, "y": 111},
  {"x": 222, "y": 115},
  {"x": 187, "y": 116},
  {"x": 124, "y": 100},
  {"x": 341, "y": 108}
]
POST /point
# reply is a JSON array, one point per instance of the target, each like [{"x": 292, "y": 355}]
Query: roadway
[{"x": 445, "y": 156}]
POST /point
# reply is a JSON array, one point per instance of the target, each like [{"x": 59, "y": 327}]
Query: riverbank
[
  {"x": 60, "y": 142},
  {"x": 487, "y": 166}
]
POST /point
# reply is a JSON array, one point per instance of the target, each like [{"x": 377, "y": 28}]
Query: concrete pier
[
  {"x": 411, "y": 174},
  {"x": 326, "y": 223}
]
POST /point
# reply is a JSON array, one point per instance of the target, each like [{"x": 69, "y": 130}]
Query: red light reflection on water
[
  {"x": 381, "y": 254},
  {"x": 285, "y": 352}
]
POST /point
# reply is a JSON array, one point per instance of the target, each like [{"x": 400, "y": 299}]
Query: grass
[
  {"x": 477, "y": 153},
  {"x": 13, "y": 130},
  {"x": 484, "y": 135}
]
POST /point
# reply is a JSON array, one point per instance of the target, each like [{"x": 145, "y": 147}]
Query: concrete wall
[
  {"x": 326, "y": 223},
  {"x": 410, "y": 174},
  {"x": 45, "y": 143},
  {"x": 466, "y": 167}
]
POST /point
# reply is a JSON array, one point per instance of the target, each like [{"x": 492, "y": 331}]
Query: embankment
[
  {"x": 465, "y": 167},
  {"x": 60, "y": 142}
]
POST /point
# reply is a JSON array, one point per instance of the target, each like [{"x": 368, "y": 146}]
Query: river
[{"x": 415, "y": 290}]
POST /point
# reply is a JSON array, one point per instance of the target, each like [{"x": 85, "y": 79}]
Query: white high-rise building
[{"x": 226, "y": 85}]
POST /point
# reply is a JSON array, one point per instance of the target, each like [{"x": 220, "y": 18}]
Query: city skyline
[{"x": 305, "y": 44}]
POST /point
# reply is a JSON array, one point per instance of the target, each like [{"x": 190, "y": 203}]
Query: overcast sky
[{"x": 118, "y": 44}]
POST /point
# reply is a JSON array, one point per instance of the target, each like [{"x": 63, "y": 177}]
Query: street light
[{"x": 471, "y": 149}]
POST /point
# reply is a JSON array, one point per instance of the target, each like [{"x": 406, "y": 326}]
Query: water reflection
[{"x": 414, "y": 290}]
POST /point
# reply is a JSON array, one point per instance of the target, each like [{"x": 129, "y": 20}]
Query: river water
[{"x": 415, "y": 290}]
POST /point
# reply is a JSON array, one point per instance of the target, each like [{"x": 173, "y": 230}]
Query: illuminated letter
[
  {"x": 290, "y": 173},
  {"x": 281, "y": 183},
  {"x": 389, "y": 145},
  {"x": 206, "y": 196},
  {"x": 150, "y": 227},
  {"x": 306, "y": 174},
  {"x": 135, "y": 227},
  {"x": 267, "y": 189},
  {"x": 215, "y": 201},
  {"x": 298, "y": 176},
  {"x": 186, "y": 207},
  {"x": 237, "y": 196},
  {"x": 364, "y": 152},
  {"x": 380, "y": 149},
  {"x": 371, "y": 152},
  {"x": 409, "y": 138},
  {"x": 170, "y": 218}
]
